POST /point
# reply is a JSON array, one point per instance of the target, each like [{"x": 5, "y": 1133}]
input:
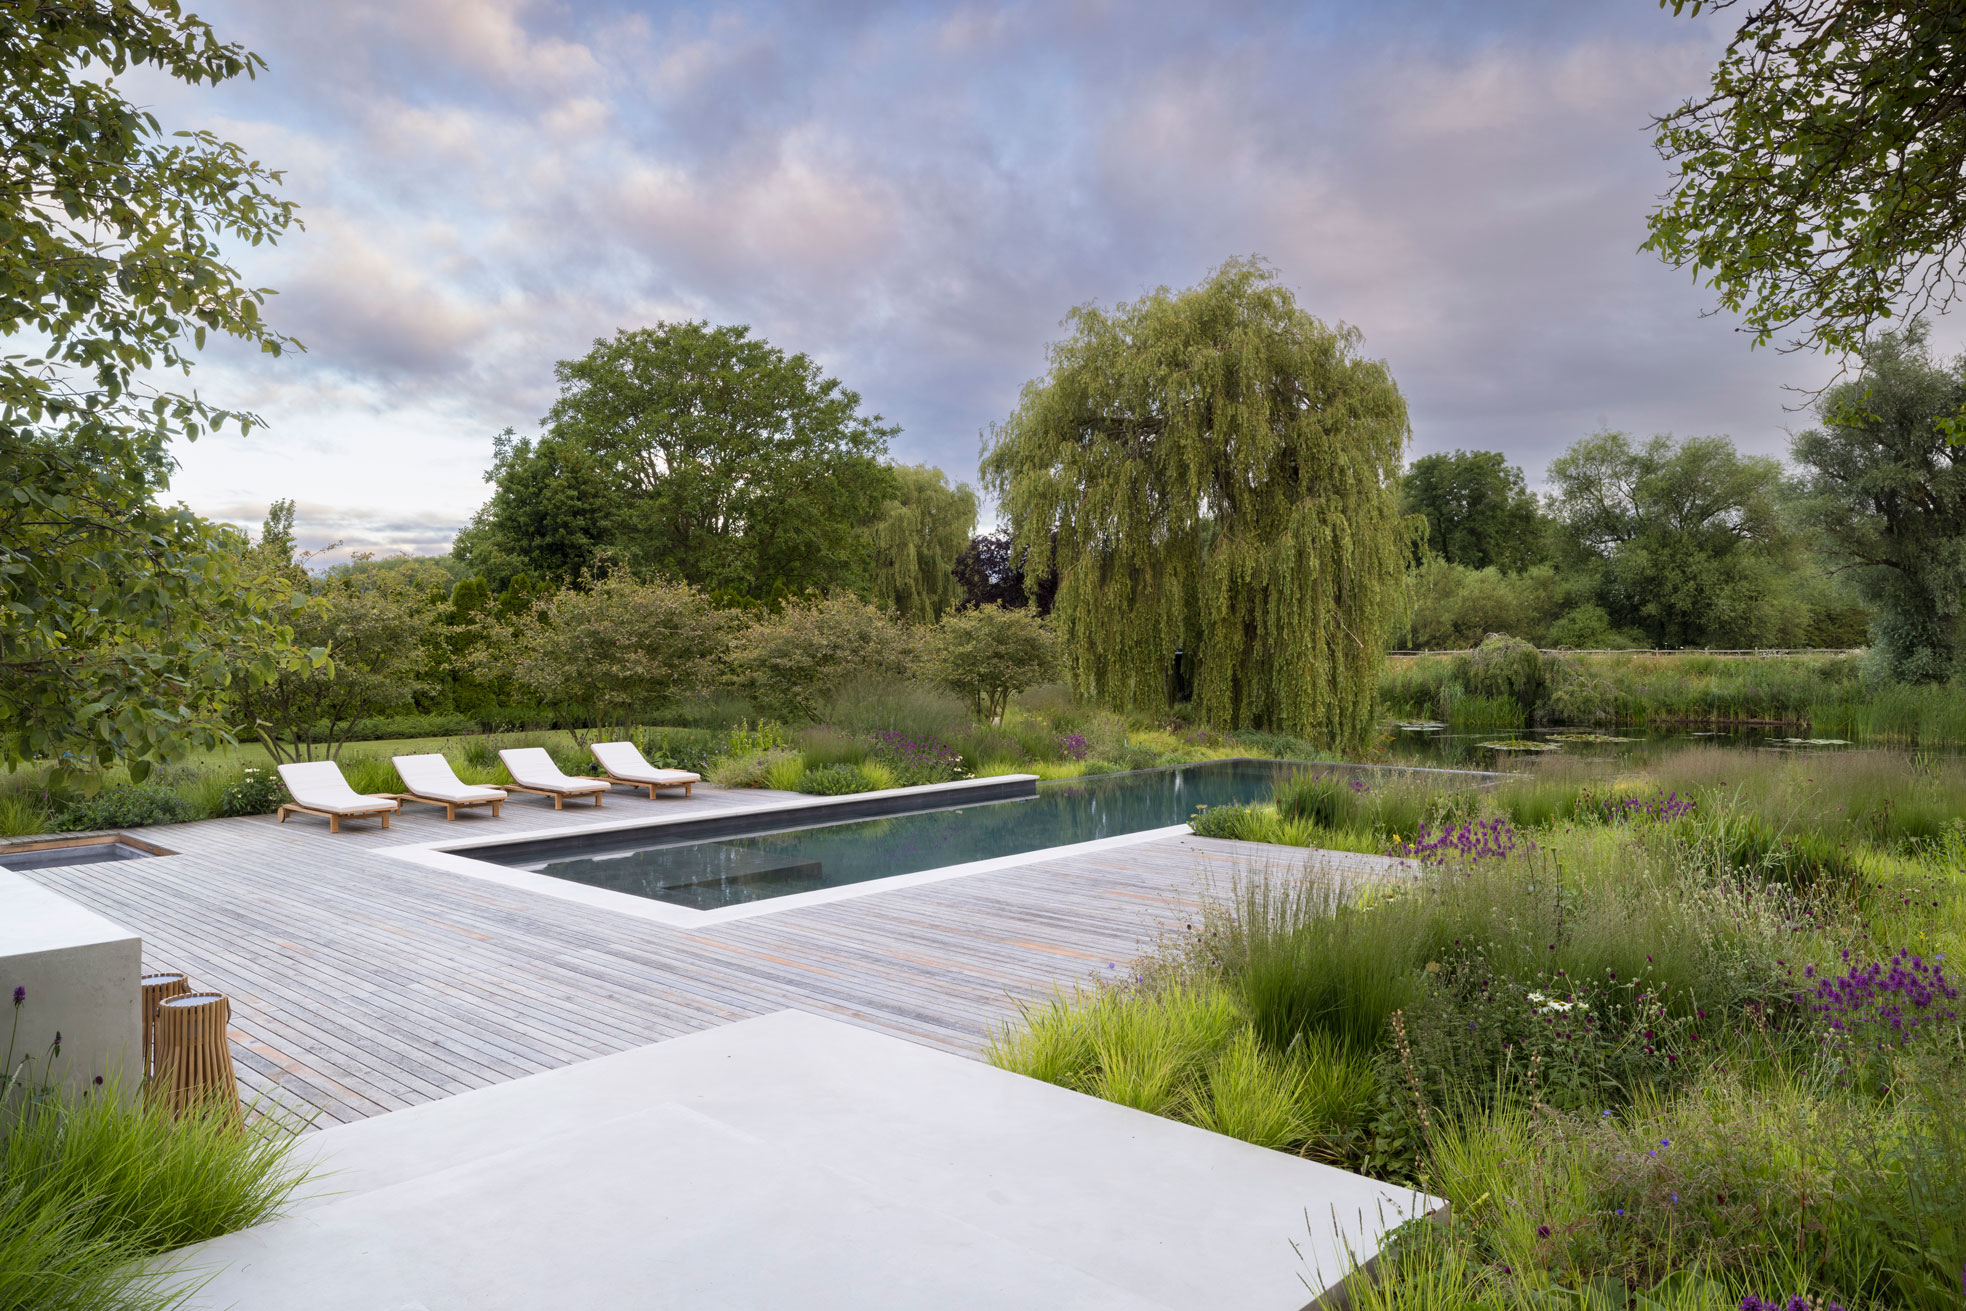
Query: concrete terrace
[{"x": 361, "y": 983}]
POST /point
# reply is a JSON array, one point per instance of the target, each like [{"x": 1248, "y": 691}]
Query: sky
[{"x": 915, "y": 195}]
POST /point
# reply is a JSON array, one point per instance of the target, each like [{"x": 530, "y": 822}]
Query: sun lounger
[
  {"x": 623, "y": 764},
  {"x": 319, "y": 789},
  {"x": 431, "y": 780},
  {"x": 533, "y": 770}
]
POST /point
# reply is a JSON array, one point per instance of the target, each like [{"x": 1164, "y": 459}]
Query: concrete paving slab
[{"x": 795, "y": 1161}]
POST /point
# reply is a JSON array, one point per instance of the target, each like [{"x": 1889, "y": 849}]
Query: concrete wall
[{"x": 82, "y": 977}]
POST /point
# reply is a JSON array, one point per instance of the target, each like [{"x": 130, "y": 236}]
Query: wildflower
[
  {"x": 20, "y": 993},
  {"x": 1542, "y": 1231}
]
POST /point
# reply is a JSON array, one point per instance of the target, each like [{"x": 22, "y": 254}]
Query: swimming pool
[{"x": 780, "y": 859}]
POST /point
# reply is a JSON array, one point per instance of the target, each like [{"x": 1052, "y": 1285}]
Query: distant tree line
[{"x": 1686, "y": 542}]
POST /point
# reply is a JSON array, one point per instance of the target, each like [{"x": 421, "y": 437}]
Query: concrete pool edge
[
  {"x": 804, "y": 812},
  {"x": 452, "y": 856},
  {"x": 662, "y": 912}
]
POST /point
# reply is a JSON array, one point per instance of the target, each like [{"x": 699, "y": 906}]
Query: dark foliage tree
[
  {"x": 1887, "y": 490},
  {"x": 1822, "y": 177},
  {"x": 991, "y": 573},
  {"x": 1479, "y": 512}
]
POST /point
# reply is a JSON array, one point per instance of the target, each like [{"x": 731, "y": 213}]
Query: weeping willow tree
[
  {"x": 1215, "y": 472},
  {"x": 920, "y": 532}
]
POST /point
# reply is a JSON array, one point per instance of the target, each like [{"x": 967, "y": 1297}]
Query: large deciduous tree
[
  {"x": 1887, "y": 490},
  {"x": 1822, "y": 177},
  {"x": 122, "y": 622},
  {"x": 554, "y": 512},
  {"x": 1687, "y": 535},
  {"x": 736, "y": 467},
  {"x": 921, "y": 533},
  {"x": 1478, "y": 511},
  {"x": 1221, "y": 473}
]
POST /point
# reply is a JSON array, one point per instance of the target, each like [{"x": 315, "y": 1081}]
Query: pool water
[{"x": 731, "y": 871}]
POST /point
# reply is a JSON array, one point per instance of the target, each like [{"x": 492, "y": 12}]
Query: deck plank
[{"x": 362, "y": 984}]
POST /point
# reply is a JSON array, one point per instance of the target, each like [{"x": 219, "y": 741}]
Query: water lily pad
[
  {"x": 1589, "y": 737},
  {"x": 1809, "y": 741},
  {"x": 1522, "y": 744},
  {"x": 1420, "y": 726}
]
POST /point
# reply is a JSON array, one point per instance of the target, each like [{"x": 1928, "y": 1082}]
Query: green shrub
[
  {"x": 792, "y": 663},
  {"x": 1237, "y": 823},
  {"x": 753, "y": 768},
  {"x": 834, "y": 780},
  {"x": 690, "y": 749},
  {"x": 1504, "y": 667},
  {"x": 251, "y": 791},
  {"x": 125, "y": 805}
]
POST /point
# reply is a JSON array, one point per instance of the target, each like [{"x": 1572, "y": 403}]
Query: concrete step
[{"x": 796, "y": 1161}]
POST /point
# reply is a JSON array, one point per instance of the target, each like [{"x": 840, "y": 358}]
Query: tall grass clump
[
  {"x": 1189, "y": 1053},
  {"x": 93, "y": 1188},
  {"x": 1693, "y": 1041},
  {"x": 1309, "y": 964}
]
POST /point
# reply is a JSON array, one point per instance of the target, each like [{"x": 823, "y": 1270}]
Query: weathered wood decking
[{"x": 361, "y": 983}]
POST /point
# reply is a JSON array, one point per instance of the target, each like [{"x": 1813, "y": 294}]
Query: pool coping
[{"x": 448, "y": 855}]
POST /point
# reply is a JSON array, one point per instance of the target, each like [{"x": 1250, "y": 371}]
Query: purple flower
[
  {"x": 20, "y": 993},
  {"x": 1542, "y": 1231}
]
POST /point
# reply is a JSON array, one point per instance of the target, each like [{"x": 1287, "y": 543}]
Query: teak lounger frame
[
  {"x": 452, "y": 807},
  {"x": 334, "y": 817},
  {"x": 653, "y": 788},
  {"x": 559, "y": 795}
]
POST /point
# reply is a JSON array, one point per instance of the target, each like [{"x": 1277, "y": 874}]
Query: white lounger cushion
[
  {"x": 432, "y": 776},
  {"x": 532, "y": 767},
  {"x": 622, "y": 760},
  {"x": 318, "y": 785}
]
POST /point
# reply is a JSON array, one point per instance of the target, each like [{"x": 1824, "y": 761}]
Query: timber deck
[{"x": 361, "y": 983}]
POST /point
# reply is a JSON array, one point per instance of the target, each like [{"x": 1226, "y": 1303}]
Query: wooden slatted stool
[
  {"x": 194, "y": 1056},
  {"x": 156, "y": 987}
]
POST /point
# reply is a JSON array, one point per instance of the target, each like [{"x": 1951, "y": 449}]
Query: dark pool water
[{"x": 730, "y": 871}]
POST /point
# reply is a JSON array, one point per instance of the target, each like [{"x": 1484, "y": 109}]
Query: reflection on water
[
  {"x": 705, "y": 875},
  {"x": 1443, "y": 746}
]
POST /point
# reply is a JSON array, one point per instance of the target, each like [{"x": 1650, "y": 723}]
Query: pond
[{"x": 1449, "y": 746}]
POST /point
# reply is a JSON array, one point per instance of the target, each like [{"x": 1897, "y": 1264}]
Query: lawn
[{"x": 1687, "y": 1034}]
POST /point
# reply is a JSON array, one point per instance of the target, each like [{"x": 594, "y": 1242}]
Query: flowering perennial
[
  {"x": 915, "y": 756},
  {"x": 1475, "y": 840},
  {"x": 1893, "y": 1000},
  {"x": 1660, "y": 805}
]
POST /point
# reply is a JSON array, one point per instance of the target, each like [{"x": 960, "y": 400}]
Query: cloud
[{"x": 916, "y": 197}]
